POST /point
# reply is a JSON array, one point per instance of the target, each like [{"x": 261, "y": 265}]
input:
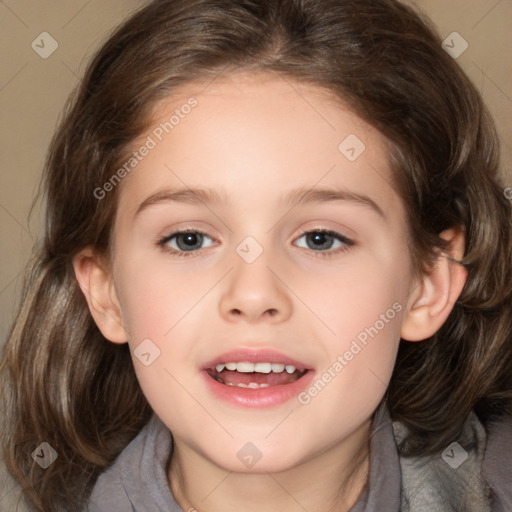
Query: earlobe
[
  {"x": 95, "y": 281},
  {"x": 433, "y": 300}
]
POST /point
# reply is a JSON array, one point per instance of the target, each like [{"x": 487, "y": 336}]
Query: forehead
[
  {"x": 250, "y": 136},
  {"x": 264, "y": 105}
]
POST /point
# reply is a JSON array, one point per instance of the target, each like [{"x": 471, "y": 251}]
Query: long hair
[{"x": 64, "y": 384}]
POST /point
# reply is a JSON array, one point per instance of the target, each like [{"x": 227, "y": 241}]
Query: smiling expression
[{"x": 292, "y": 242}]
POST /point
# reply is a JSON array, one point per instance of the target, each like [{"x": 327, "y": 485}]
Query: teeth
[
  {"x": 251, "y": 385},
  {"x": 263, "y": 367},
  {"x": 245, "y": 367}
]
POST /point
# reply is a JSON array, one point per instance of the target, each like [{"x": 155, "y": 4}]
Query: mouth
[
  {"x": 256, "y": 378},
  {"x": 244, "y": 374}
]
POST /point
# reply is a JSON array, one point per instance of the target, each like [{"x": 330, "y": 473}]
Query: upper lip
[{"x": 255, "y": 356}]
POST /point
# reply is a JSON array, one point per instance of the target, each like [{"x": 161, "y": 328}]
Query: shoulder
[
  {"x": 138, "y": 475},
  {"x": 497, "y": 463},
  {"x": 473, "y": 473}
]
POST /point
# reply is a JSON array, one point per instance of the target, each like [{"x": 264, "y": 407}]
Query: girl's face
[{"x": 252, "y": 170}]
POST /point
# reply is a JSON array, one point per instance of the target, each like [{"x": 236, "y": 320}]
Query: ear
[
  {"x": 95, "y": 280},
  {"x": 433, "y": 300}
]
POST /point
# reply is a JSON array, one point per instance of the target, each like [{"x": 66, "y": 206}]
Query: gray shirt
[{"x": 473, "y": 475}]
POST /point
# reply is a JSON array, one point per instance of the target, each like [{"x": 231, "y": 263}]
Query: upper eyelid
[
  {"x": 182, "y": 231},
  {"x": 302, "y": 232}
]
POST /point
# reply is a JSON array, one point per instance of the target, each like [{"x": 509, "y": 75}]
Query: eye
[
  {"x": 323, "y": 241},
  {"x": 184, "y": 242}
]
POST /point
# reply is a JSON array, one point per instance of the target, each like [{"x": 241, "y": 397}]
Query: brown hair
[{"x": 63, "y": 383}]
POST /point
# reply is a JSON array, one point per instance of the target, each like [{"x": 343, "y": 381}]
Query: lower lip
[{"x": 262, "y": 397}]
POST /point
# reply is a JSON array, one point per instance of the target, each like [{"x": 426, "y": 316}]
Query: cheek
[
  {"x": 154, "y": 299},
  {"x": 361, "y": 309},
  {"x": 359, "y": 364},
  {"x": 351, "y": 297},
  {"x": 158, "y": 312},
  {"x": 164, "y": 314}
]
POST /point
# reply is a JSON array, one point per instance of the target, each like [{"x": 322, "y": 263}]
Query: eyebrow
[{"x": 295, "y": 197}]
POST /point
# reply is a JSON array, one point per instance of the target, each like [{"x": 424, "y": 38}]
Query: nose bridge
[
  {"x": 252, "y": 263},
  {"x": 254, "y": 287}
]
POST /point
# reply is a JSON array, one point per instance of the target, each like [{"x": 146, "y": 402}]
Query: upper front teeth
[{"x": 244, "y": 367}]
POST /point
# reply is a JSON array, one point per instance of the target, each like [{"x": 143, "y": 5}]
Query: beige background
[{"x": 33, "y": 91}]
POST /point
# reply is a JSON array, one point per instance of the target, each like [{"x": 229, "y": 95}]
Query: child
[{"x": 337, "y": 337}]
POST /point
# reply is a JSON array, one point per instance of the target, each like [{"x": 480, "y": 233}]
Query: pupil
[
  {"x": 320, "y": 240},
  {"x": 190, "y": 239}
]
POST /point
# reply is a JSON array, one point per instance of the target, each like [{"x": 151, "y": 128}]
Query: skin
[{"x": 257, "y": 137}]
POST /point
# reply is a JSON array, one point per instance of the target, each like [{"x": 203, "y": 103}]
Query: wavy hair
[{"x": 63, "y": 383}]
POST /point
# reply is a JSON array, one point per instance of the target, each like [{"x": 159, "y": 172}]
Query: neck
[{"x": 329, "y": 482}]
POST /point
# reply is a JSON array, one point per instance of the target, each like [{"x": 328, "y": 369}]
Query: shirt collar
[{"x": 382, "y": 491}]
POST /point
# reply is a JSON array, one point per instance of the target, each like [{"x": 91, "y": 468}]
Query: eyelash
[{"x": 348, "y": 243}]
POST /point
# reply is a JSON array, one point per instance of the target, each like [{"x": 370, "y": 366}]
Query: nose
[{"x": 256, "y": 292}]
